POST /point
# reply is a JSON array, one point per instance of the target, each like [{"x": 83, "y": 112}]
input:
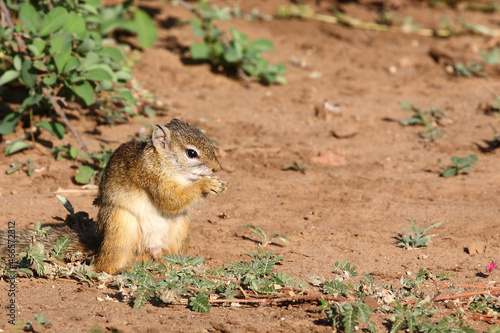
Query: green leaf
[
  {"x": 97, "y": 74},
  {"x": 197, "y": 29},
  {"x": 200, "y": 303},
  {"x": 231, "y": 55},
  {"x": 76, "y": 24},
  {"x": 15, "y": 147},
  {"x": 60, "y": 42},
  {"x": 55, "y": 128},
  {"x": 349, "y": 318},
  {"x": 61, "y": 247},
  {"x": 28, "y": 73},
  {"x": 31, "y": 100},
  {"x": 73, "y": 153},
  {"x": 71, "y": 64},
  {"x": 146, "y": 28},
  {"x": 49, "y": 80},
  {"x": 85, "y": 174},
  {"x": 113, "y": 52},
  {"x": 199, "y": 51},
  {"x": 87, "y": 45},
  {"x": 9, "y": 122},
  {"x": 39, "y": 44},
  {"x": 29, "y": 16},
  {"x": 17, "y": 63},
  {"x": 123, "y": 75},
  {"x": 471, "y": 159},
  {"x": 104, "y": 85},
  {"x": 53, "y": 21},
  {"x": 363, "y": 311},
  {"x": 84, "y": 91},
  {"x": 406, "y": 105},
  {"x": 60, "y": 60},
  {"x": 449, "y": 172},
  {"x": 261, "y": 45},
  {"x": 8, "y": 76}
]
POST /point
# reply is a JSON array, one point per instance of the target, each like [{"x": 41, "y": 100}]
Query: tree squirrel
[{"x": 144, "y": 196}]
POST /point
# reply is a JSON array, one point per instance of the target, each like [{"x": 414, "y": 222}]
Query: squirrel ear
[{"x": 161, "y": 136}]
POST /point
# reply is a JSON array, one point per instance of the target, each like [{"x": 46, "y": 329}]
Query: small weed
[
  {"x": 65, "y": 151},
  {"x": 297, "y": 165},
  {"x": 28, "y": 167},
  {"x": 416, "y": 237},
  {"x": 493, "y": 57},
  {"x": 39, "y": 320},
  {"x": 469, "y": 69},
  {"x": 428, "y": 118},
  {"x": 86, "y": 173},
  {"x": 459, "y": 165},
  {"x": 264, "y": 238},
  {"x": 345, "y": 269},
  {"x": 345, "y": 317}
]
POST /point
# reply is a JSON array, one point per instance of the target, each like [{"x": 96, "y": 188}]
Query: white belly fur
[{"x": 158, "y": 230}]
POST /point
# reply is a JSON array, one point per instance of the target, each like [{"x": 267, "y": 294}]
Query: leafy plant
[
  {"x": 346, "y": 317},
  {"x": 297, "y": 165},
  {"x": 238, "y": 54},
  {"x": 428, "y": 118},
  {"x": 345, "y": 269},
  {"x": 264, "y": 238},
  {"x": 469, "y": 69},
  {"x": 86, "y": 173},
  {"x": 416, "y": 237},
  {"x": 28, "y": 167},
  {"x": 56, "y": 52},
  {"x": 460, "y": 165},
  {"x": 65, "y": 151}
]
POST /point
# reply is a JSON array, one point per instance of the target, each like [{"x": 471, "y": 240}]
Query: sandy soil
[{"x": 348, "y": 212}]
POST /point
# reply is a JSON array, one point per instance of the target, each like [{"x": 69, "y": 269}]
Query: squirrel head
[{"x": 190, "y": 149}]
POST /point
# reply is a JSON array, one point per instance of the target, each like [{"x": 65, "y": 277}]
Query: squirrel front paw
[{"x": 215, "y": 185}]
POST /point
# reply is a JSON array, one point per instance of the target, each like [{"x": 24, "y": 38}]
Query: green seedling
[
  {"x": 28, "y": 167},
  {"x": 493, "y": 57},
  {"x": 428, "y": 118},
  {"x": 345, "y": 269},
  {"x": 238, "y": 54},
  {"x": 460, "y": 165},
  {"x": 416, "y": 237},
  {"x": 264, "y": 238},
  {"x": 65, "y": 151},
  {"x": 297, "y": 165},
  {"x": 469, "y": 69}
]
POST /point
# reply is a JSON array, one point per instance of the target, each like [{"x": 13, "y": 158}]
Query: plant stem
[{"x": 61, "y": 114}]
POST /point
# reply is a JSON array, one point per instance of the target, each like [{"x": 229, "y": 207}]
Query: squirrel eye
[{"x": 191, "y": 153}]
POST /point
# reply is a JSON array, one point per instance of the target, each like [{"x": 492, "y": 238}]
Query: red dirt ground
[{"x": 348, "y": 212}]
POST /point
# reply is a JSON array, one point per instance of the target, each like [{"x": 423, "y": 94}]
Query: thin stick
[
  {"x": 8, "y": 18},
  {"x": 443, "y": 298},
  {"x": 484, "y": 318},
  {"x": 280, "y": 299},
  {"x": 61, "y": 114}
]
